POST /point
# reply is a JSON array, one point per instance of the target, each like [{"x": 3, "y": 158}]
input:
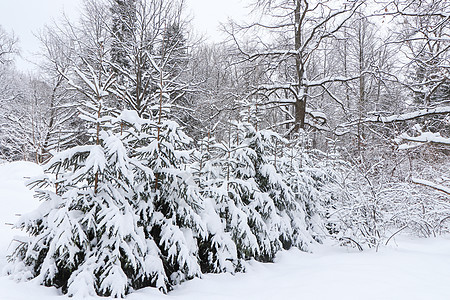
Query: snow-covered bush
[
  {"x": 85, "y": 237},
  {"x": 313, "y": 177},
  {"x": 378, "y": 198},
  {"x": 169, "y": 203},
  {"x": 255, "y": 204}
]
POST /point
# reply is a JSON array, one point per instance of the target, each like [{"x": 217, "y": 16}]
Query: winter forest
[{"x": 167, "y": 156}]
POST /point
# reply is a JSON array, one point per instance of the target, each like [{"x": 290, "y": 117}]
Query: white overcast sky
[{"x": 26, "y": 17}]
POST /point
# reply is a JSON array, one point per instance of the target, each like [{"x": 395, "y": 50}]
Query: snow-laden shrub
[
  {"x": 375, "y": 200},
  {"x": 170, "y": 207},
  {"x": 257, "y": 207},
  {"x": 311, "y": 178},
  {"x": 113, "y": 220},
  {"x": 133, "y": 210},
  {"x": 84, "y": 237}
]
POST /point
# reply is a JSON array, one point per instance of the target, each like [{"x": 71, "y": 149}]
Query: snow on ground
[
  {"x": 15, "y": 198},
  {"x": 409, "y": 268}
]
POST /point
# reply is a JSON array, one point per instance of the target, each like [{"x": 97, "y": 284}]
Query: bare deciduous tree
[
  {"x": 8, "y": 46},
  {"x": 297, "y": 31}
]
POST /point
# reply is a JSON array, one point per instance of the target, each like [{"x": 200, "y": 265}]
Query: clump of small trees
[{"x": 165, "y": 159}]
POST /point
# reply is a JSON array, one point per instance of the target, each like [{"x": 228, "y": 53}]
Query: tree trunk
[{"x": 300, "y": 103}]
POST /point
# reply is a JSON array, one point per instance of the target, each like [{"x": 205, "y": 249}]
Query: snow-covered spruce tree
[
  {"x": 218, "y": 252},
  {"x": 85, "y": 236},
  {"x": 123, "y": 13},
  {"x": 169, "y": 203},
  {"x": 257, "y": 207},
  {"x": 291, "y": 226},
  {"x": 170, "y": 206},
  {"x": 313, "y": 178}
]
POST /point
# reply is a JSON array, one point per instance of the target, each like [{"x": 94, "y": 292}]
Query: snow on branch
[
  {"x": 280, "y": 86},
  {"x": 427, "y": 137},
  {"x": 432, "y": 185},
  {"x": 274, "y": 52},
  {"x": 292, "y": 86},
  {"x": 401, "y": 117},
  {"x": 329, "y": 80}
]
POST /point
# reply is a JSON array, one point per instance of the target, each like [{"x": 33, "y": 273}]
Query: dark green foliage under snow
[{"x": 116, "y": 218}]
